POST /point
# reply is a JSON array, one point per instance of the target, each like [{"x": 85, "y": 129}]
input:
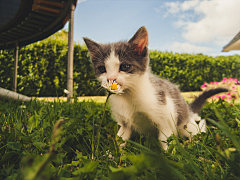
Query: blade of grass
[
  {"x": 225, "y": 128},
  {"x": 166, "y": 164},
  {"x": 227, "y": 132},
  {"x": 186, "y": 155},
  {"x": 98, "y": 132}
]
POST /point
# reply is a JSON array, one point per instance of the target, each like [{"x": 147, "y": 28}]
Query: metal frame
[
  {"x": 70, "y": 52},
  {"x": 10, "y": 33}
]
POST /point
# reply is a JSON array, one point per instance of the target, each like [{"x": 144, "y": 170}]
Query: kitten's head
[{"x": 122, "y": 62}]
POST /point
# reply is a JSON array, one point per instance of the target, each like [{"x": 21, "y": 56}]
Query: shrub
[
  {"x": 191, "y": 71},
  {"x": 42, "y": 69}
]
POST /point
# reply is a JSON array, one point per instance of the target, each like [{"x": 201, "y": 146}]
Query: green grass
[
  {"x": 188, "y": 96},
  {"x": 57, "y": 140},
  {"x": 97, "y": 99}
]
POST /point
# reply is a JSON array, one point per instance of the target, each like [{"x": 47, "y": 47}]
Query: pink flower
[
  {"x": 204, "y": 85},
  {"x": 224, "y": 80},
  {"x": 233, "y": 79},
  {"x": 229, "y": 94},
  {"x": 211, "y": 82},
  {"x": 223, "y": 96},
  {"x": 215, "y": 82},
  {"x": 233, "y": 87}
]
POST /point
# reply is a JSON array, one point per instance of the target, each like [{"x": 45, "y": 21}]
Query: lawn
[
  {"x": 57, "y": 140},
  {"x": 188, "y": 96}
]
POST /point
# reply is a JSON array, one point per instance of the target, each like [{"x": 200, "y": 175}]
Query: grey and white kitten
[{"x": 143, "y": 101}]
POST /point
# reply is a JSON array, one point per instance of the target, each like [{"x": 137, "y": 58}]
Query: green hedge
[
  {"x": 191, "y": 71},
  {"x": 42, "y": 69}
]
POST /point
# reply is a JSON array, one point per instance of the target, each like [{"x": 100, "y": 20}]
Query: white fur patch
[
  {"x": 171, "y": 108},
  {"x": 195, "y": 127},
  {"x": 168, "y": 125},
  {"x": 112, "y": 66}
]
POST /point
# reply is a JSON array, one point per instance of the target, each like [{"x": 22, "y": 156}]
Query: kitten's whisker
[
  {"x": 132, "y": 83},
  {"x": 100, "y": 89},
  {"x": 99, "y": 86},
  {"x": 93, "y": 80},
  {"x": 132, "y": 86}
]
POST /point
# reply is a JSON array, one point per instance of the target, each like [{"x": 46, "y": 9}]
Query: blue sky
[{"x": 196, "y": 26}]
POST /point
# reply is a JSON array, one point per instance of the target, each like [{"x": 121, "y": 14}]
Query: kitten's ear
[
  {"x": 140, "y": 39},
  {"x": 92, "y": 46}
]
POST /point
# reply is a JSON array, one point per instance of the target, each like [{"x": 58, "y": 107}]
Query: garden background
[{"x": 42, "y": 68}]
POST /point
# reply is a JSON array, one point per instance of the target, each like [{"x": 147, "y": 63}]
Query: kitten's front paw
[
  {"x": 164, "y": 146},
  {"x": 123, "y": 145}
]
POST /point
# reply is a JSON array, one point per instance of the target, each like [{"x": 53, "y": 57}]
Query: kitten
[{"x": 143, "y": 101}]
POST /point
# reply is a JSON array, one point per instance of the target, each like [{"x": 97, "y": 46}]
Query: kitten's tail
[{"x": 198, "y": 103}]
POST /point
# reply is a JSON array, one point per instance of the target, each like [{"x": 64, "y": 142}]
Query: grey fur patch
[
  {"x": 124, "y": 124},
  {"x": 166, "y": 88},
  {"x": 157, "y": 83},
  {"x": 162, "y": 97},
  {"x": 98, "y": 53},
  {"x": 127, "y": 55}
]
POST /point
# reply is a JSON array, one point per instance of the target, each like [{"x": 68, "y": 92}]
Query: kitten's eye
[
  {"x": 124, "y": 67},
  {"x": 102, "y": 69}
]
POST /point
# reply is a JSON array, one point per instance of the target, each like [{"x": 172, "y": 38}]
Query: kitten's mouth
[{"x": 113, "y": 87}]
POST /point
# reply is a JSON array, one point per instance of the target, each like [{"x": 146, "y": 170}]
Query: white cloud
[
  {"x": 173, "y": 7},
  {"x": 187, "y": 48},
  {"x": 214, "y": 21},
  {"x": 187, "y": 5}
]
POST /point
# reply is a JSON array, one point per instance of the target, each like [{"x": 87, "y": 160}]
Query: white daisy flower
[
  {"x": 113, "y": 87},
  {"x": 66, "y": 91},
  {"x": 22, "y": 106}
]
